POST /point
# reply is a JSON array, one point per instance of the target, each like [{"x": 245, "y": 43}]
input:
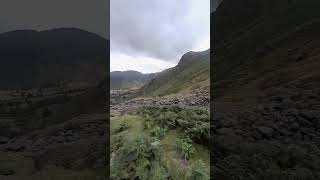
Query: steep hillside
[
  {"x": 38, "y": 58},
  {"x": 191, "y": 74},
  {"x": 48, "y": 131},
  {"x": 265, "y": 90},
  {"x": 128, "y": 79},
  {"x": 263, "y": 39}
]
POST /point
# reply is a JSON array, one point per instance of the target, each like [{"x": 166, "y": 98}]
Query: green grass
[
  {"x": 135, "y": 126},
  {"x": 145, "y": 153},
  {"x": 174, "y": 162},
  {"x": 193, "y": 72}
]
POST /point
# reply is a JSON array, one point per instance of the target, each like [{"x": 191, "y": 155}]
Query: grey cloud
[
  {"x": 163, "y": 29},
  {"x": 90, "y": 15}
]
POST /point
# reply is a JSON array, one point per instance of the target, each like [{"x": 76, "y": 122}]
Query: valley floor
[
  {"x": 160, "y": 139},
  {"x": 47, "y": 137}
]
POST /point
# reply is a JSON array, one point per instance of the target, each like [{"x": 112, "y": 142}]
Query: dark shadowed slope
[
  {"x": 266, "y": 90},
  {"x": 263, "y": 39},
  {"x": 38, "y": 58},
  {"x": 67, "y": 143},
  {"x": 61, "y": 133}
]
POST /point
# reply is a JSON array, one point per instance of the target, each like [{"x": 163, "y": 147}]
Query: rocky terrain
[
  {"x": 60, "y": 144},
  {"x": 198, "y": 100},
  {"x": 65, "y": 131},
  {"x": 265, "y": 117},
  {"x": 279, "y": 139},
  {"x": 53, "y": 104}
]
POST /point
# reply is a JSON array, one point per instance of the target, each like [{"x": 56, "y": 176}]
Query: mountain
[
  {"x": 261, "y": 40},
  {"x": 37, "y": 58},
  {"x": 266, "y": 86},
  {"x": 191, "y": 74},
  {"x": 128, "y": 79},
  {"x": 83, "y": 116}
]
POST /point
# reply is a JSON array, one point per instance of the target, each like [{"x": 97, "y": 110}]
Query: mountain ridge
[
  {"x": 76, "y": 54},
  {"x": 129, "y": 79},
  {"x": 192, "y": 72},
  {"x": 270, "y": 36}
]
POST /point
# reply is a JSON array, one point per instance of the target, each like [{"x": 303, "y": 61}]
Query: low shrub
[
  {"x": 194, "y": 121},
  {"x": 142, "y": 169},
  {"x": 147, "y": 124},
  {"x": 184, "y": 124},
  {"x": 155, "y": 147},
  {"x": 124, "y": 125},
  {"x": 116, "y": 142},
  {"x": 158, "y": 172},
  {"x": 200, "y": 132},
  {"x": 186, "y": 147},
  {"x": 159, "y": 132},
  {"x": 198, "y": 171}
]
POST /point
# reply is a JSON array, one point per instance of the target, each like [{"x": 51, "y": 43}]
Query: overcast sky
[
  {"x": 152, "y": 35},
  {"x": 146, "y": 35},
  {"x": 90, "y": 15}
]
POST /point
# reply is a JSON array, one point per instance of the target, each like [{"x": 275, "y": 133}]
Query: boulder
[{"x": 265, "y": 131}]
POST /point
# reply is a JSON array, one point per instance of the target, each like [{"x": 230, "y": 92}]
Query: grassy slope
[
  {"x": 253, "y": 63},
  {"x": 277, "y": 48},
  {"x": 191, "y": 72},
  {"x": 171, "y": 156}
]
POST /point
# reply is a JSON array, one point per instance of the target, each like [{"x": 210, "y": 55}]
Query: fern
[
  {"x": 142, "y": 170},
  {"x": 159, "y": 132},
  {"x": 198, "y": 171},
  {"x": 186, "y": 148}
]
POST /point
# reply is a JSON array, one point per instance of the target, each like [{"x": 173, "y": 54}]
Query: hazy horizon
[
  {"x": 172, "y": 65},
  {"x": 55, "y": 28}
]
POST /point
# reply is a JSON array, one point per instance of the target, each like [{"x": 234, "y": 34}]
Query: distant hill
[
  {"x": 128, "y": 79},
  {"x": 36, "y": 58},
  {"x": 191, "y": 74}
]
